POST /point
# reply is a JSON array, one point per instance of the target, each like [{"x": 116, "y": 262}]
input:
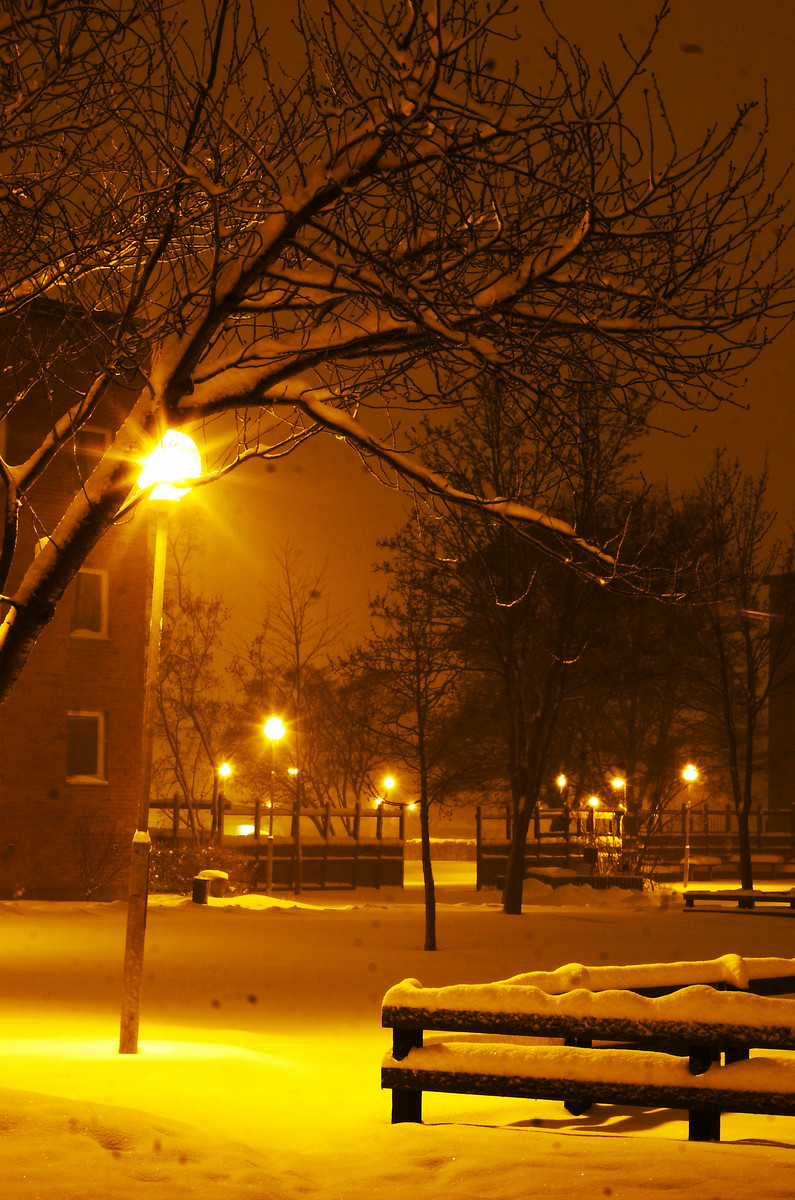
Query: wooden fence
[
  {"x": 345, "y": 848},
  {"x": 611, "y": 838}
]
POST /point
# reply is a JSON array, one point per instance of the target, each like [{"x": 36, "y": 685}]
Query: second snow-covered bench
[{"x": 686, "y": 1049}]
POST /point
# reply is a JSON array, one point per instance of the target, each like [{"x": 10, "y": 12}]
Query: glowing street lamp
[
  {"x": 620, "y": 784},
  {"x": 593, "y": 803},
  {"x": 690, "y": 775},
  {"x": 274, "y": 731},
  {"x": 175, "y": 460},
  {"x": 388, "y": 783}
]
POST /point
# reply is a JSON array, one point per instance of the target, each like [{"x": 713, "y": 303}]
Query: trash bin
[{"x": 209, "y": 883}]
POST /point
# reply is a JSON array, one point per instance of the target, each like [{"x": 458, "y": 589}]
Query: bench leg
[
  {"x": 703, "y": 1125},
  {"x": 406, "y": 1106},
  {"x": 577, "y": 1108}
]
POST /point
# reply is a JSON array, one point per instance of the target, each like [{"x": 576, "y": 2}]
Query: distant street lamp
[
  {"x": 690, "y": 775},
  {"x": 175, "y": 460},
  {"x": 274, "y": 731},
  {"x": 620, "y": 785}
]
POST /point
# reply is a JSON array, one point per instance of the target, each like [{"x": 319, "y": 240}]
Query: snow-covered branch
[{"x": 385, "y": 219}]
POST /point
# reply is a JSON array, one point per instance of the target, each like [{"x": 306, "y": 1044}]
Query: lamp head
[
  {"x": 274, "y": 728},
  {"x": 174, "y": 459}
]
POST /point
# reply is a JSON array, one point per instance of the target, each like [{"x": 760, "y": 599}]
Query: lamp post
[
  {"x": 274, "y": 732},
  {"x": 562, "y": 823},
  {"x": 298, "y": 867},
  {"x": 619, "y": 784},
  {"x": 221, "y": 773},
  {"x": 174, "y": 460},
  {"x": 690, "y": 775}
]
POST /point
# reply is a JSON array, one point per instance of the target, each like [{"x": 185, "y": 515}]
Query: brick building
[{"x": 70, "y": 732}]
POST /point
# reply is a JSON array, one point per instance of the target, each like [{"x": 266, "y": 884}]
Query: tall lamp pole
[
  {"x": 274, "y": 732},
  {"x": 690, "y": 775},
  {"x": 174, "y": 459}
]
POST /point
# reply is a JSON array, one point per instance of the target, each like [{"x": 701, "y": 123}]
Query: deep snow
[{"x": 258, "y": 1073}]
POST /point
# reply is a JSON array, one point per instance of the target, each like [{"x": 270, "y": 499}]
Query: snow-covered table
[{"x": 689, "y": 1048}]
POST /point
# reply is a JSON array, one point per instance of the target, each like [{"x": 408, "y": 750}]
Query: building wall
[
  {"x": 781, "y": 707},
  {"x": 59, "y": 837}
]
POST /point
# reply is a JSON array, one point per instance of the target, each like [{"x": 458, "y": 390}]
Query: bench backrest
[{"x": 698, "y": 1014}]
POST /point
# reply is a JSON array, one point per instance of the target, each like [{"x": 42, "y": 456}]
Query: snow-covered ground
[{"x": 258, "y": 1072}]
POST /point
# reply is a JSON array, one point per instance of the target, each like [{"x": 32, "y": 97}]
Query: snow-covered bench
[
  {"x": 688, "y": 1047},
  {"x": 743, "y": 898}
]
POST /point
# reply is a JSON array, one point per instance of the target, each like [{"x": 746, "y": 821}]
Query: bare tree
[
  {"x": 285, "y": 670},
  {"x": 194, "y": 704},
  {"x": 628, "y": 717},
  {"x": 738, "y": 651},
  {"x": 522, "y": 621},
  {"x": 308, "y": 247},
  {"x": 421, "y": 723}
]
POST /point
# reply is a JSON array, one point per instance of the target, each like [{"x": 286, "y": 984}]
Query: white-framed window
[
  {"x": 85, "y": 747},
  {"x": 90, "y": 604},
  {"x": 91, "y": 442}
]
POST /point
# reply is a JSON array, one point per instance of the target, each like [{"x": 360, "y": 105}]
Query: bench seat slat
[
  {"x": 596, "y": 1091},
  {"x": 762, "y": 1074},
  {"x": 601, "y": 1028}
]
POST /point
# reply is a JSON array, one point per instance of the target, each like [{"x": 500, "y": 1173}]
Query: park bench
[
  {"x": 744, "y": 898},
  {"x": 664, "y": 1042}
]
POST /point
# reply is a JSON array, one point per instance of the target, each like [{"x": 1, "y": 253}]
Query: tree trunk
[
  {"x": 514, "y": 873},
  {"x": 427, "y": 876},
  {"x": 744, "y": 836}
]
